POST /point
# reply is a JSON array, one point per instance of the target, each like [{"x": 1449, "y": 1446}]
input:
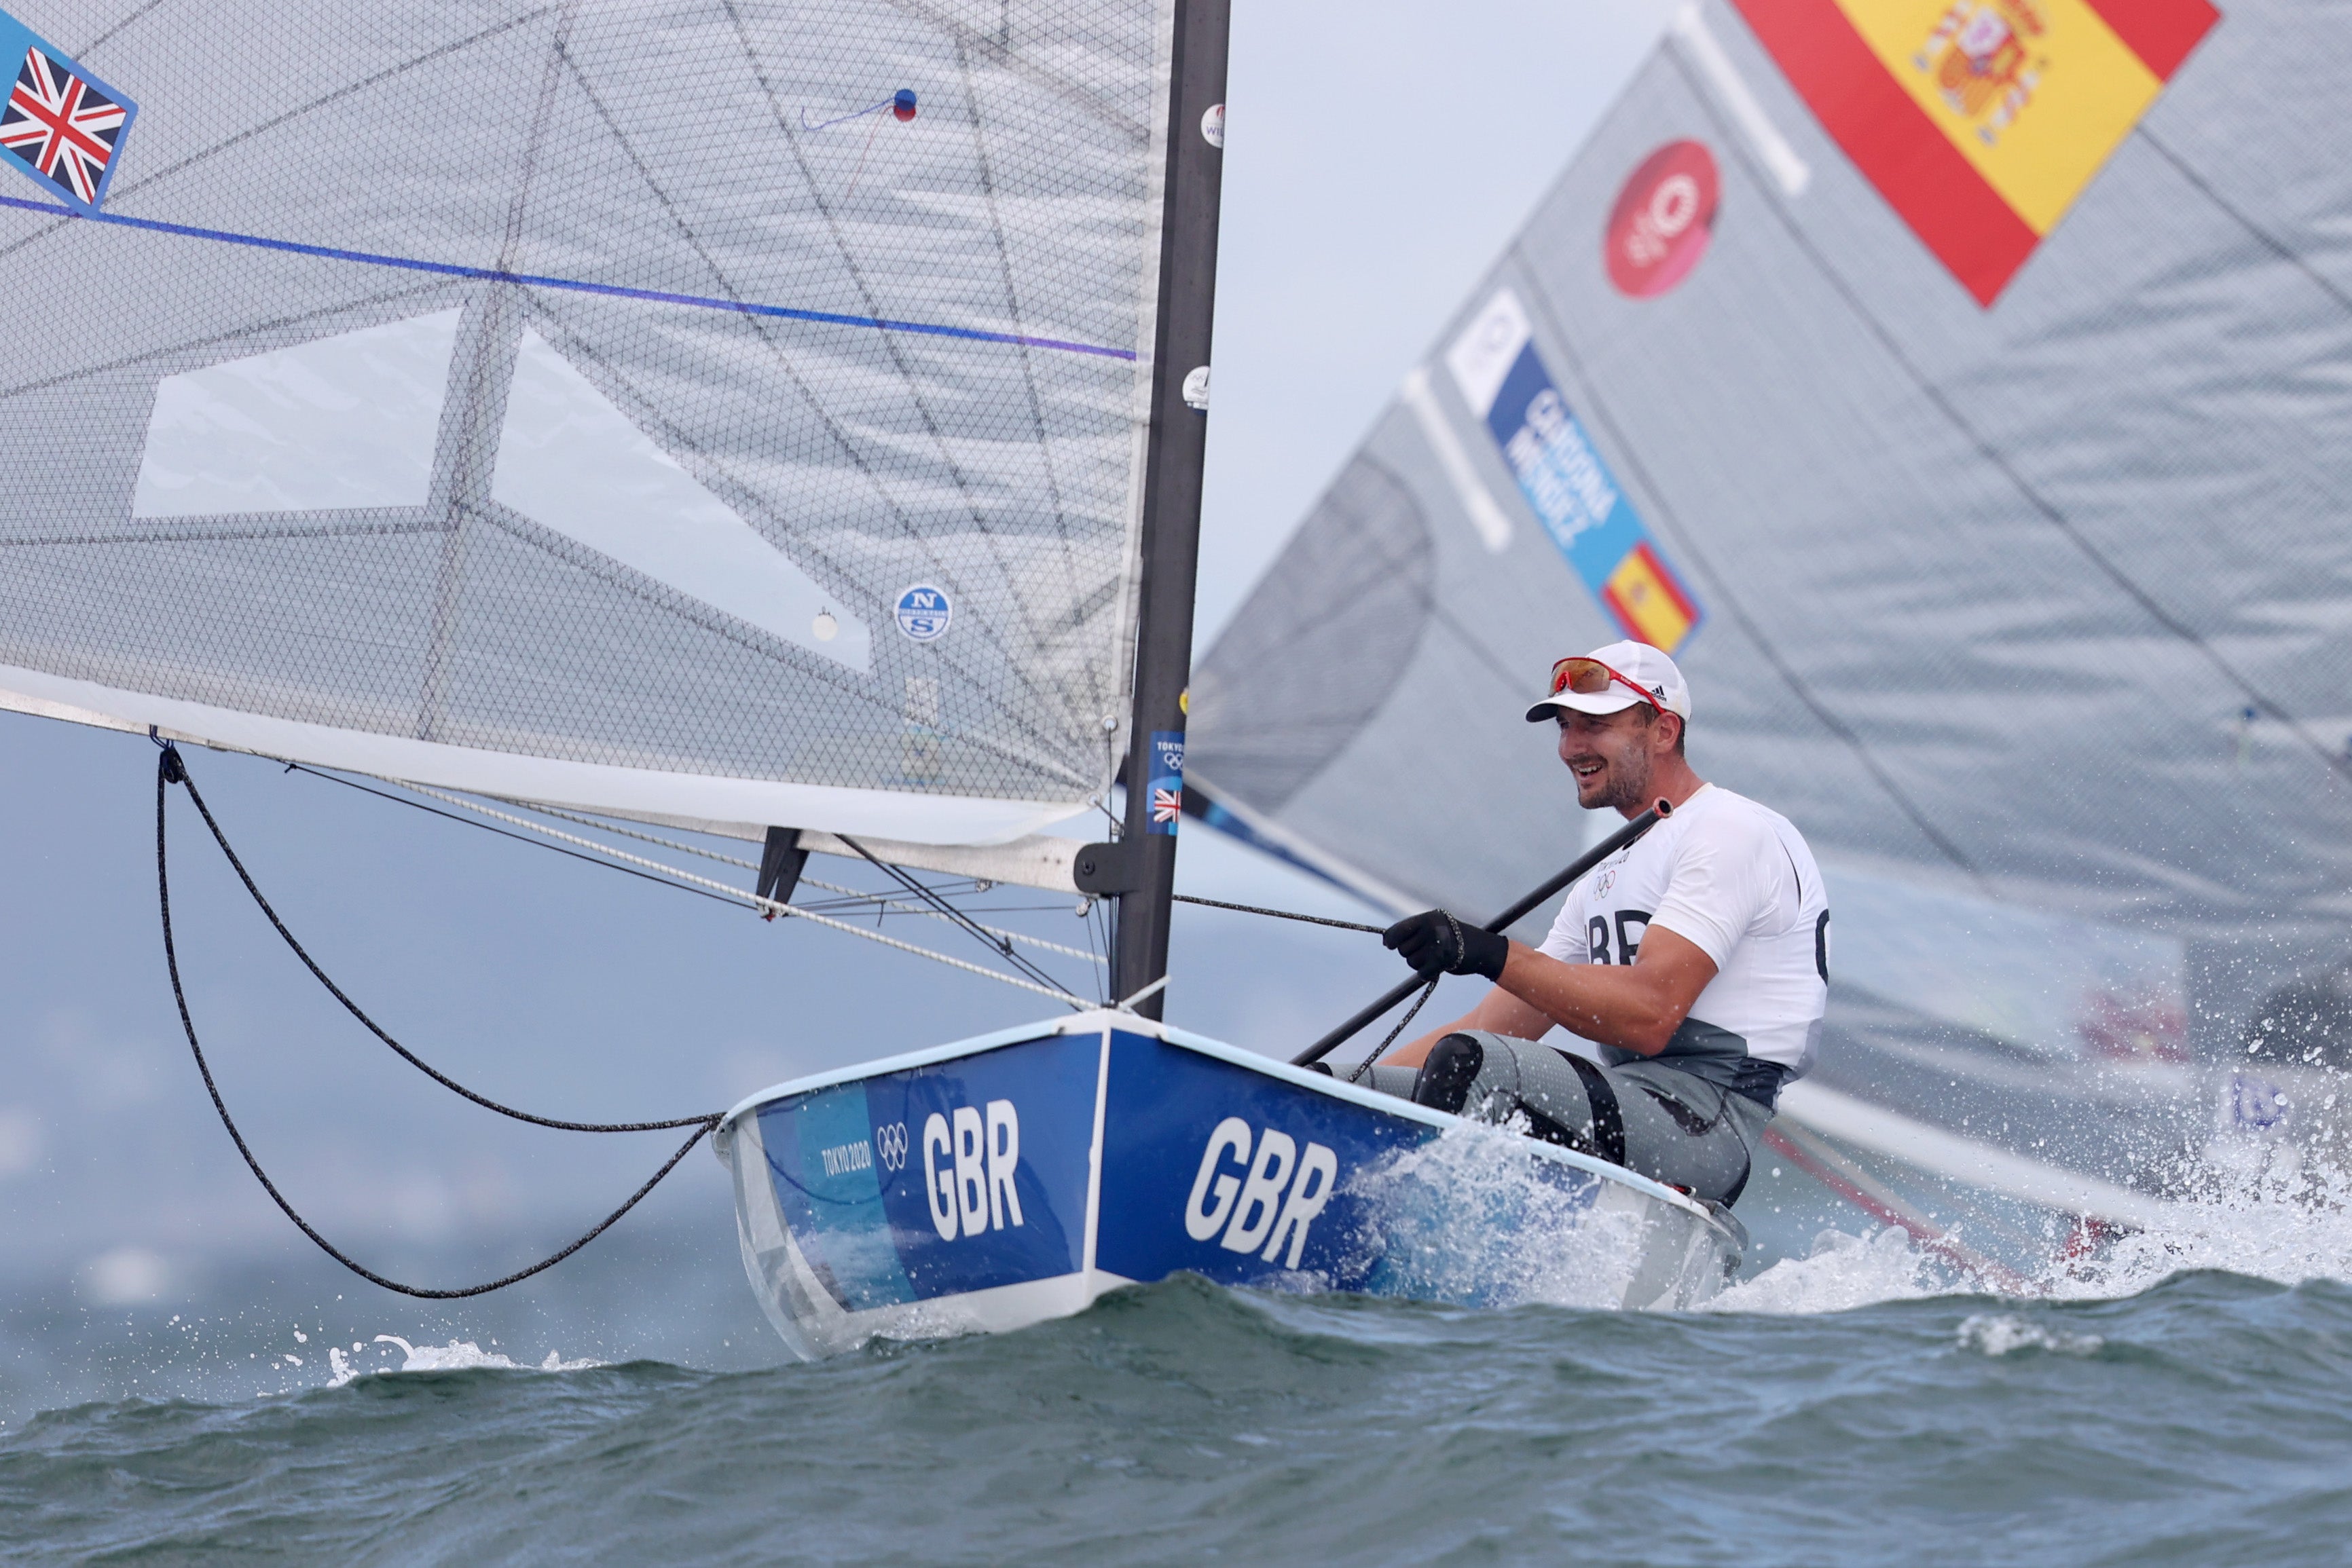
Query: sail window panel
[
  {"x": 346, "y": 422},
  {"x": 571, "y": 461},
  {"x": 1328, "y": 636}
]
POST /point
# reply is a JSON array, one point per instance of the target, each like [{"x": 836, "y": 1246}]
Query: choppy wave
[
  {"x": 2203, "y": 1421},
  {"x": 2182, "y": 1394}
]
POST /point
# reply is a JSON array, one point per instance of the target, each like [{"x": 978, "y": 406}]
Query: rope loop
[{"x": 171, "y": 769}]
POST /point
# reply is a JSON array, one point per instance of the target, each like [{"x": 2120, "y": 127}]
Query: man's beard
[{"x": 1628, "y": 784}]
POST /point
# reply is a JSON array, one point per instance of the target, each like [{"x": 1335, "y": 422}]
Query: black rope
[
  {"x": 170, "y": 769},
  {"x": 1002, "y": 945},
  {"x": 1280, "y": 914},
  {"x": 1356, "y": 1075}
]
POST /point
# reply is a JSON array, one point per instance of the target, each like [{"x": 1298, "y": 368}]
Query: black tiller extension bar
[{"x": 1501, "y": 923}]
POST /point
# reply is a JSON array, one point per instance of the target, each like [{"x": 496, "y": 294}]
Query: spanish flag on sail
[{"x": 1979, "y": 121}]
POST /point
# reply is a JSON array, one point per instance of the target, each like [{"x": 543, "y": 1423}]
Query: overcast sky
[{"x": 1381, "y": 154}]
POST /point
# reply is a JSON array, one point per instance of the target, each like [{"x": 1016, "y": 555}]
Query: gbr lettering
[
  {"x": 1262, "y": 1204},
  {"x": 969, "y": 1160}
]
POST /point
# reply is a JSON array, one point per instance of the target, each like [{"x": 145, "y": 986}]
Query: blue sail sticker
[
  {"x": 1167, "y": 780},
  {"x": 924, "y": 613},
  {"x": 61, "y": 125},
  {"x": 1564, "y": 479}
]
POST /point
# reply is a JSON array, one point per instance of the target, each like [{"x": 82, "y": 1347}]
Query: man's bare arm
[{"x": 1637, "y": 1008}]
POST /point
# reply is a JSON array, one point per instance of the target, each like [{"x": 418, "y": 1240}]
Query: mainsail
[
  {"x": 716, "y": 411},
  {"x": 1954, "y": 388}
]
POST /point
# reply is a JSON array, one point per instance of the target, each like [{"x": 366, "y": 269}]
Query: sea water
[{"x": 2185, "y": 1397}]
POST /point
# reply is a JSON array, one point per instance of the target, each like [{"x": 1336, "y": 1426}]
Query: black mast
[{"x": 1143, "y": 869}]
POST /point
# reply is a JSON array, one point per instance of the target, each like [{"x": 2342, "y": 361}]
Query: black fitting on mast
[{"x": 1171, "y": 490}]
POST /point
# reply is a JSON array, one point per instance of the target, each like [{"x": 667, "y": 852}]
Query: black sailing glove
[{"x": 1436, "y": 943}]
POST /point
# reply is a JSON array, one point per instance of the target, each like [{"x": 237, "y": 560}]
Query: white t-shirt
[{"x": 1736, "y": 879}]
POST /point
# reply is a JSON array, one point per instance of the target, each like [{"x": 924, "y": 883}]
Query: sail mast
[{"x": 1171, "y": 505}]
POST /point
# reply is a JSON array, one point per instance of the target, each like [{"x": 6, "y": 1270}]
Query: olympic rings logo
[{"x": 890, "y": 1144}]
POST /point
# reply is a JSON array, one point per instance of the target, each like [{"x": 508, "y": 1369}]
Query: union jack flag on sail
[{"x": 64, "y": 126}]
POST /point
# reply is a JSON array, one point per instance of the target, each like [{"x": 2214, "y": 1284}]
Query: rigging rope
[
  {"x": 1280, "y": 914},
  {"x": 169, "y": 770},
  {"x": 685, "y": 881},
  {"x": 887, "y": 902},
  {"x": 951, "y": 912},
  {"x": 1356, "y": 1075}
]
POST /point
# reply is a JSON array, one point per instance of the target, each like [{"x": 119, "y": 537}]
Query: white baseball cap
[{"x": 1612, "y": 679}]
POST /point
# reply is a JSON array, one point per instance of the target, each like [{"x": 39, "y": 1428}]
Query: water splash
[
  {"x": 1841, "y": 1272},
  {"x": 458, "y": 1356},
  {"x": 2274, "y": 1212},
  {"x": 1466, "y": 1217}
]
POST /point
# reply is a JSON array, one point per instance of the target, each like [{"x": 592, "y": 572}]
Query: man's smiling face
[{"x": 1610, "y": 755}]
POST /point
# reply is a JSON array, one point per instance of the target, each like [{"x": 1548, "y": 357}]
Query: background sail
[
  {"x": 717, "y": 409},
  {"x": 2037, "y": 609}
]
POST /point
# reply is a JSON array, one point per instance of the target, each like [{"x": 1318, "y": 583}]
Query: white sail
[{"x": 702, "y": 409}]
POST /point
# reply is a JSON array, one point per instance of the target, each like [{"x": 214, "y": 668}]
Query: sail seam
[
  {"x": 243, "y": 335},
  {"x": 2269, "y": 241}
]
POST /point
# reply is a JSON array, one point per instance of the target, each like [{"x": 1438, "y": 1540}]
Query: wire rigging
[{"x": 950, "y": 911}]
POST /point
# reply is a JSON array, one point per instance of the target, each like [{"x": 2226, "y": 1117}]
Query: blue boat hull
[{"x": 997, "y": 1182}]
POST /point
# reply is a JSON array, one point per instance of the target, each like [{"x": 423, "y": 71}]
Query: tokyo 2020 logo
[{"x": 1662, "y": 219}]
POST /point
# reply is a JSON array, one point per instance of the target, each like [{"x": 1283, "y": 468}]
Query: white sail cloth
[{"x": 637, "y": 404}]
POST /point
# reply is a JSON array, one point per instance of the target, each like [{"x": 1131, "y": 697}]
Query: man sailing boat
[{"x": 1696, "y": 959}]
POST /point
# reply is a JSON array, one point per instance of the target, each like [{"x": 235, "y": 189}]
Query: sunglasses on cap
[{"x": 1588, "y": 677}]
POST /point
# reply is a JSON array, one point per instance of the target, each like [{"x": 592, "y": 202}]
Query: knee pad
[{"x": 1446, "y": 1076}]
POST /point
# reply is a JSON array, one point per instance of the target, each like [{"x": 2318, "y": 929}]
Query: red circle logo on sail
[{"x": 1662, "y": 219}]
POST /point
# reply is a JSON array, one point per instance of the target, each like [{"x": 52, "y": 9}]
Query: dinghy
[
  {"x": 987, "y": 1184},
  {"x": 790, "y": 429}
]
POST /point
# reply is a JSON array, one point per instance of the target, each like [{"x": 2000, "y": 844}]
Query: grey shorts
[{"x": 1660, "y": 1120}]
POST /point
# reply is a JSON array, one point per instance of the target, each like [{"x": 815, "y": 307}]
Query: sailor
[{"x": 1694, "y": 964}]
